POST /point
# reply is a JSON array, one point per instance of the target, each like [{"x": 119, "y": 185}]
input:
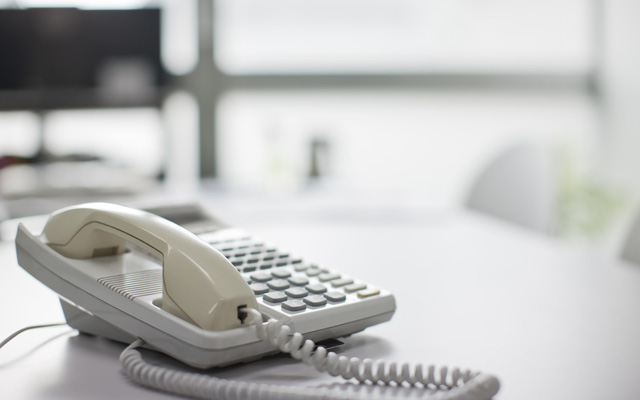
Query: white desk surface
[{"x": 552, "y": 322}]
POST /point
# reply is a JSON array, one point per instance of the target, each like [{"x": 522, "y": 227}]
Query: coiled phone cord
[{"x": 443, "y": 384}]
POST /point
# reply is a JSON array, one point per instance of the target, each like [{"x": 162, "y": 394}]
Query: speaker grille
[{"x": 135, "y": 284}]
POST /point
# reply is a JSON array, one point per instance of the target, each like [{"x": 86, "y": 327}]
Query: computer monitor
[{"x": 57, "y": 58}]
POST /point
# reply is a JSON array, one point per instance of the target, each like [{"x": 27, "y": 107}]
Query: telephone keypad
[{"x": 289, "y": 283}]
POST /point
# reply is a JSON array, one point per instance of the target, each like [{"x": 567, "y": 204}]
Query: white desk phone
[{"x": 211, "y": 297}]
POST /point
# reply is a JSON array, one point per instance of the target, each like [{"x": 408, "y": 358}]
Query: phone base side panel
[{"x": 87, "y": 323}]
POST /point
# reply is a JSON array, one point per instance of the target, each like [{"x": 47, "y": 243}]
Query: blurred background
[{"x": 527, "y": 110}]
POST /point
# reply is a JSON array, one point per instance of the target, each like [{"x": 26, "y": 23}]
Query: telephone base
[
  {"x": 85, "y": 322},
  {"x": 118, "y": 297}
]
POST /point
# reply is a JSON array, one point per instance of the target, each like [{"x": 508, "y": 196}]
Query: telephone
[{"x": 211, "y": 295}]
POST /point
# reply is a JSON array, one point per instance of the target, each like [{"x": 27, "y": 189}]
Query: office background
[{"x": 395, "y": 104}]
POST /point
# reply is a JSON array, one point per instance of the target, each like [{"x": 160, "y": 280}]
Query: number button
[
  {"x": 259, "y": 288},
  {"x": 294, "y": 305},
  {"x": 328, "y": 276},
  {"x": 341, "y": 282},
  {"x": 275, "y": 297},
  {"x": 314, "y": 271},
  {"x": 278, "y": 284},
  {"x": 300, "y": 267},
  {"x": 315, "y": 301},
  {"x": 296, "y": 292},
  {"x": 260, "y": 277},
  {"x": 280, "y": 273},
  {"x": 335, "y": 297},
  {"x": 316, "y": 288},
  {"x": 298, "y": 280},
  {"x": 355, "y": 287}
]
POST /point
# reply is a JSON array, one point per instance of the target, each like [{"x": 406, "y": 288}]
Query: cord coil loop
[
  {"x": 480, "y": 386},
  {"x": 442, "y": 384}
]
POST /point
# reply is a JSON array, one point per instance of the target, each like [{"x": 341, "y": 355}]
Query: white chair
[
  {"x": 631, "y": 248},
  {"x": 519, "y": 186}
]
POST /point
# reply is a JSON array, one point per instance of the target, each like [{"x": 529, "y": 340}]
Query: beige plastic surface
[{"x": 200, "y": 284}]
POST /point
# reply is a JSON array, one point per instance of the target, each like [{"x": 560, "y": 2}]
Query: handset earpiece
[{"x": 199, "y": 284}]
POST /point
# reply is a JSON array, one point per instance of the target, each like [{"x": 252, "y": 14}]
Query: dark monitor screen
[{"x": 70, "y": 58}]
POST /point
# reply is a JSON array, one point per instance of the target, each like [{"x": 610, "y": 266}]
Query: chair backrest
[
  {"x": 631, "y": 248},
  {"x": 519, "y": 186}
]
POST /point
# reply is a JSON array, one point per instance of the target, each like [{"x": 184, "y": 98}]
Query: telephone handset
[
  {"x": 212, "y": 298},
  {"x": 189, "y": 264}
]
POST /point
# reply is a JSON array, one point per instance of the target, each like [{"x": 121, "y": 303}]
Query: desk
[{"x": 551, "y": 321}]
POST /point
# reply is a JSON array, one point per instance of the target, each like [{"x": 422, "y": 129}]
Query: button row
[
  {"x": 280, "y": 284},
  {"x": 253, "y": 264},
  {"x": 261, "y": 276},
  {"x": 223, "y": 242},
  {"x": 273, "y": 292},
  {"x": 295, "y": 292},
  {"x": 294, "y": 304},
  {"x": 264, "y": 282},
  {"x": 315, "y": 300},
  {"x": 249, "y": 256},
  {"x": 243, "y": 247}
]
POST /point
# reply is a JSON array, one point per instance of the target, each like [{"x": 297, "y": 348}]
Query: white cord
[
  {"x": 448, "y": 384},
  {"x": 19, "y": 331}
]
